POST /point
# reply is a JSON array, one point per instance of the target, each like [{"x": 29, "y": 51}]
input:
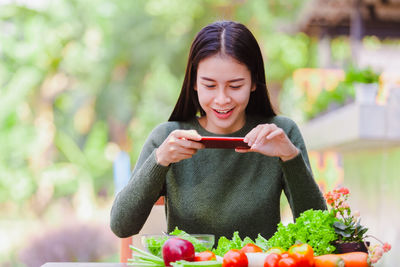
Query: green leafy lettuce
[
  {"x": 224, "y": 244},
  {"x": 154, "y": 244},
  {"x": 262, "y": 242},
  {"x": 314, "y": 227}
]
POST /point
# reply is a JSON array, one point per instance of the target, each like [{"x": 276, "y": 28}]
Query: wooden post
[
  {"x": 324, "y": 50},
  {"x": 125, "y": 251},
  {"x": 122, "y": 172},
  {"x": 356, "y": 30}
]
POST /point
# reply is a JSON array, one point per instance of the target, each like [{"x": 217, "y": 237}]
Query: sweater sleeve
[
  {"x": 300, "y": 187},
  {"x": 134, "y": 202}
]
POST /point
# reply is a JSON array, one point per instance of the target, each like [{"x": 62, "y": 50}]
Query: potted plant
[
  {"x": 366, "y": 84},
  {"x": 351, "y": 234},
  {"x": 360, "y": 85}
]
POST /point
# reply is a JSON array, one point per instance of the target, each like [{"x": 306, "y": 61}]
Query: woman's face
[{"x": 223, "y": 86}]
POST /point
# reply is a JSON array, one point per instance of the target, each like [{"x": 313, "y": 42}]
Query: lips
[{"x": 223, "y": 113}]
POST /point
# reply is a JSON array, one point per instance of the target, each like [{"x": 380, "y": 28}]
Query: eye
[
  {"x": 209, "y": 85},
  {"x": 235, "y": 86}
]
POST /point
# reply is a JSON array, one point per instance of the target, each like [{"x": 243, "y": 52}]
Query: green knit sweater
[{"x": 217, "y": 191}]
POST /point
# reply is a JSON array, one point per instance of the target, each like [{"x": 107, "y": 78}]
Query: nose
[{"x": 222, "y": 97}]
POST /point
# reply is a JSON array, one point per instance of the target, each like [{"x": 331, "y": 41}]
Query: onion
[{"x": 175, "y": 249}]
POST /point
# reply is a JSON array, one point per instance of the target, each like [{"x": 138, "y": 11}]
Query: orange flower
[
  {"x": 387, "y": 247},
  {"x": 343, "y": 190}
]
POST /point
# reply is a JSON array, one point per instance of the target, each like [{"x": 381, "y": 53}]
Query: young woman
[{"x": 219, "y": 191}]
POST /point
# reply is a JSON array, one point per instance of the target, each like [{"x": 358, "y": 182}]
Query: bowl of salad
[{"x": 153, "y": 242}]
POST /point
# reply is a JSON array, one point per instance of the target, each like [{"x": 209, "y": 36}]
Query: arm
[
  {"x": 281, "y": 138},
  {"x": 300, "y": 187},
  {"x": 134, "y": 202}
]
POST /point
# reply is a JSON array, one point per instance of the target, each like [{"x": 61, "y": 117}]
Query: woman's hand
[
  {"x": 270, "y": 140},
  {"x": 179, "y": 145}
]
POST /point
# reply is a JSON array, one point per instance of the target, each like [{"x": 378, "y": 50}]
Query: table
[{"x": 84, "y": 264}]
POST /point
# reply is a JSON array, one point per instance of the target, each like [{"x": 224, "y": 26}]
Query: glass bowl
[
  {"x": 153, "y": 242},
  {"x": 205, "y": 240}
]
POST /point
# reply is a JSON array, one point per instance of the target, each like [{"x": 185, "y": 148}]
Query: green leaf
[
  {"x": 262, "y": 242},
  {"x": 314, "y": 227},
  {"x": 224, "y": 244},
  {"x": 339, "y": 225}
]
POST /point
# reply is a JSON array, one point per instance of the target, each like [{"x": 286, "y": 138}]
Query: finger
[
  {"x": 264, "y": 132},
  {"x": 186, "y": 153},
  {"x": 275, "y": 133},
  {"x": 178, "y": 154},
  {"x": 171, "y": 141},
  {"x": 186, "y": 143},
  {"x": 252, "y": 135},
  {"x": 242, "y": 150},
  {"x": 187, "y": 134},
  {"x": 184, "y": 138}
]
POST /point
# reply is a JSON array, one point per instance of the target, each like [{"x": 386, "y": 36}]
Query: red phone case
[{"x": 224, "y": 142}]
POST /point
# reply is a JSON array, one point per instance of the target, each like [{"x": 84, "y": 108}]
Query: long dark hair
[{"x": 233, "y": 39}]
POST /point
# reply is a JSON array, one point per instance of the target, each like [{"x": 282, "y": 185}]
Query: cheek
[
  {"x": 242, "y": 98},
  {"x": 204, "y": 98}
]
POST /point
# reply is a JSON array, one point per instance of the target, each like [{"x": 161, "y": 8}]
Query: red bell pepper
[
  {"x": 251, "y": 248},
  {"x": 303, "y": 254}
]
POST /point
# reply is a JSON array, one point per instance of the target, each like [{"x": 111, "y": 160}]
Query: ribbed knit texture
[{"x": 217, "y": 191}]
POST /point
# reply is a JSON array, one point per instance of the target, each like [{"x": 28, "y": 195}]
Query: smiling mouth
[{"x": 222, "y": 112}]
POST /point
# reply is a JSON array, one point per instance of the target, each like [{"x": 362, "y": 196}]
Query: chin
[{"x": 226, "y": 128}]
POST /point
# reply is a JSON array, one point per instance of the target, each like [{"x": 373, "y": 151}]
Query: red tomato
[
  {"x": 303, "y": 254},
  {"x": 287, "y": 262},
  {"x": 272, "y": 260},
  {"x": 235, "y": 258},
  {"x": 285, "y": 254},
  {"x": 251, "y": 248},
  {"x": 204, "y": 256}
]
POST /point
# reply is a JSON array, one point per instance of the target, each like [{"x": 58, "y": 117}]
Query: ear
[
  {"x": 253, "y": 87},
  {"x": 195, "y": 87}
]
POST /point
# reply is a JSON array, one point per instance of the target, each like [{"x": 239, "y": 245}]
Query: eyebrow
[{"x": 233, "y": 80}]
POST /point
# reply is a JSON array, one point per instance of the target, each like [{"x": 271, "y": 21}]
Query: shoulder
[
  {"x": 159, "y": 134},
  {"x": 164, "y": 129},
  {"x": 279, "y": 120},
  {"x": 167, "y": 126},
  {"x": 287, "y": 124},
  {"x": 283, "y": 121}
]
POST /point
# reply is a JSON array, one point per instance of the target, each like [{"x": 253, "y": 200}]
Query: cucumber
[{"x": 196, "y": 263}]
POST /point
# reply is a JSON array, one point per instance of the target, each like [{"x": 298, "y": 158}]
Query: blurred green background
[{"x": 81, "y": 81}]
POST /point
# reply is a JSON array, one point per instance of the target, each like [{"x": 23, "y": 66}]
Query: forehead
[{"x": 222, "y": 67}]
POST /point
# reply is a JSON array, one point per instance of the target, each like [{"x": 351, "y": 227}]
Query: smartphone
[{"x": 223, "y": 142}]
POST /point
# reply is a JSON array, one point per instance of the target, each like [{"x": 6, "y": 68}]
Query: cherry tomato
[
  {"x": 272, "y": 260},
  {"x": 251, "y": 248},
  {"x": 303, "y": 254},
  {"x": 235, "y": 258},
  {"x": 287, "y": 262},
  {"x": 204, "y": 256}
]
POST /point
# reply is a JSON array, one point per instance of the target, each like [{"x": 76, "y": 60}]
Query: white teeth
[{"x": 223, "y": 111}]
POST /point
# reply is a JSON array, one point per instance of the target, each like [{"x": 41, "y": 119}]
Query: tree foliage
[{"x": 78, "y": 79}]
